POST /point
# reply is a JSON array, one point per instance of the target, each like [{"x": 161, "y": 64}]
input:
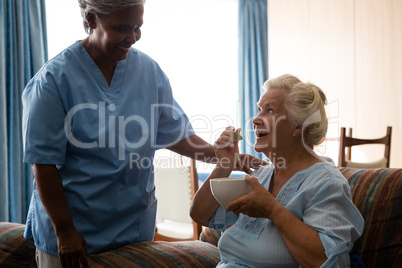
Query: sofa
[{"x": 377, "y": 193}]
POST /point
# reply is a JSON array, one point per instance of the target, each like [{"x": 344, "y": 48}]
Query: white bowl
[{"x": 226, "y": 190}]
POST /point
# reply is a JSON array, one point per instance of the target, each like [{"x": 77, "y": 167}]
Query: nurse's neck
[{"x": 105, "y": 64}]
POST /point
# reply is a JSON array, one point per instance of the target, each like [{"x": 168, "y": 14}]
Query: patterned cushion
[
  {"x": 377, "y": 193},
  {"x": 159, "y": 254},
  {"x": 15, "y": 250}
]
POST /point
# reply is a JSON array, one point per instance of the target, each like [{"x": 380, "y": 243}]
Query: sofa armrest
[
  {"x": 15, "y": 250},
  {"x": 377, "y": 193}
]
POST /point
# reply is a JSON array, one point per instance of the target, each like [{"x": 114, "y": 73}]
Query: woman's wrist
[
  {"x": 222, "y": 169},
  {"x": 226, "y": 163},
  {"x": 277, "y": 213}
]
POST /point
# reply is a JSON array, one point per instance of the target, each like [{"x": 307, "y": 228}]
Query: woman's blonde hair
[
  {"x": 102, "y": 8},
  {"x": 305, "y": 103}
]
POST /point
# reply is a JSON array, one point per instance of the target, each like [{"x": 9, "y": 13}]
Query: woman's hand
[
  {"x": 227, "y": 152},
  {"x": 302, "y": 241},
  {"x": 227, "y": 148},
  {"x": 259, "y": 203},
  {"x": 72, "y": 249}
]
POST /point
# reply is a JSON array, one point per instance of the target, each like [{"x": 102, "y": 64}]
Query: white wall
[{"x": 353, "y": 51}]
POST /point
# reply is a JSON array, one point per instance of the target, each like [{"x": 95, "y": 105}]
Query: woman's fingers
[{"x": 229, "y": 137}]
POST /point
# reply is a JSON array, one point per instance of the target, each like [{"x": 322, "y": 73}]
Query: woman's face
[
  {"x": 114, "y": 34},
  {"x": 271, "y": 125}
]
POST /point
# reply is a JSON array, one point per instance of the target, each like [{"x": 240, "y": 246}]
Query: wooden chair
[
  {"x": 346, "y": 142},
  {"x": 175, "y": 189}
]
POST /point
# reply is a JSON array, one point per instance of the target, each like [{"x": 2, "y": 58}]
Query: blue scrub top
[{"x": 102, "y": 139}]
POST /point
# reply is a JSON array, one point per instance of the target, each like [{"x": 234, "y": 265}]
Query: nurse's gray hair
[
  {"x": 102, "y": 8},
  {"x": 305, "y": 103}
]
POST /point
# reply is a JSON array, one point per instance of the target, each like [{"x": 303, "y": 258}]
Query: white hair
[
  {"x": 305, "y": 103},
  {"x": 102, "y": 8}
]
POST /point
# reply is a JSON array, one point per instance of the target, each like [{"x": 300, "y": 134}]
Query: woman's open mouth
[{"x": 261, "y": 134}]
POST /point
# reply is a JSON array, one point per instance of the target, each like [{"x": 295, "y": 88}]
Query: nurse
[{"x": 88, "y": 114}]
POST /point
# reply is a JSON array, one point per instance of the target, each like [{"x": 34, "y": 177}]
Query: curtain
[
  {"x": 253, "y": 64},
  {"x": 23, "y": 50}
]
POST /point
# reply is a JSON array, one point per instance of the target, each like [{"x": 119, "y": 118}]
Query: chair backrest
[
  {"x": 175, "y": 189},
  {"x": 345, "y": 150}
]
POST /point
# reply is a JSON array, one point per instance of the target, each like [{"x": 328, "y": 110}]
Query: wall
[{"x": 353, "y": 51}]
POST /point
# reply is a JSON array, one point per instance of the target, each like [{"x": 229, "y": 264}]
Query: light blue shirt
[
  {"x": 102, "y": 139},
  {"x": 319, "y": 196}
]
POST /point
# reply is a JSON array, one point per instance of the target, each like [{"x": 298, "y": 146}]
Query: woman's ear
[
  {"x": 91, "y": 19},
  {"x": 297, "y": 132}
]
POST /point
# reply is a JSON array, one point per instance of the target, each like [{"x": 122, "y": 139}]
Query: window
[
  {"x": 64, "y": 25},
  {"x": 196, "y": 44}
]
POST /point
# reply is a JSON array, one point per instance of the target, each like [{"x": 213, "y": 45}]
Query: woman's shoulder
[
  {"x": 138, "y": 58},
  {"x": 71, "y": 52},
  {"x": 59, "y": 63},
  {"x": 323, "y": 173}
]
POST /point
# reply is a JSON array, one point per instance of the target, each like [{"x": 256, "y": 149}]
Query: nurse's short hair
[
  {"x": 102, "y": 8},
  {"x": 305, "y": 103}
]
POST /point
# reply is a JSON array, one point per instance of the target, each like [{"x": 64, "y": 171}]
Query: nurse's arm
[
  {"x": 71, "y": 245},
  {"x": 196, "y": 148}
]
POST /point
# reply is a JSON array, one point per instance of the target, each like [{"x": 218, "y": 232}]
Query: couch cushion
[
  {"x": 377, "y": 193},
  {"x": 159, "y": 254},
  {"x": 15, "y": 250}
]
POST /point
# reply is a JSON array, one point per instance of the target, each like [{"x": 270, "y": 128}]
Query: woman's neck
[
  {"x": 289, "y": 162},
  {"x": 106, "y": 66}
]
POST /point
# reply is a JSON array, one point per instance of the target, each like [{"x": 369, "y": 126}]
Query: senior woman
[
  {"x": 300, "y": 211},
  {"x": 93, "y": 117}
]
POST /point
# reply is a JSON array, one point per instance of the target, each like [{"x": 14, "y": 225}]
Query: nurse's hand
[
  {"x": 72, "y": 249},
  {"x": 246, "y": 162}
]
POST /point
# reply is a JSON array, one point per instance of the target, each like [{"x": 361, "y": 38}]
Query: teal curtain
[
  {"x": 23, "y": 50},
  {"x": 253, "y": 64}
]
